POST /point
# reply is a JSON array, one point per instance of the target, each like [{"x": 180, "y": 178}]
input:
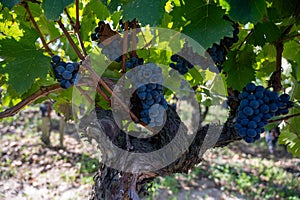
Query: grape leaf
[
  {"x": 284, "y": 8},
  {"x": 290, "y": 134},
  {"x": 112, "y": 5},
  {"x": 9, "y": 3},
  {"x": 206, "y": 22},
  {"x": 145, "y": 11},
  {"x": 53, "y": 9},
  {"x": 24, "y": 63},
  {"x": 239, "y": 68},
  {"x": 263, "y": 33},
  {"x": 247, "y": 10},
  {"x": 48, "y": 27},
  {"x": 292, "y": 51},
  {"x": 94, "y": 9}
]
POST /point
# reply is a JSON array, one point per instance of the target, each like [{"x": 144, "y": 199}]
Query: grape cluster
[
  {"x": 218, "y": 52},
  {"x": 133, "y": 62},
  {"x": 257, "y": 106},
  {"x": 148, "y": 80},
  {"x": 112, "y": 50},
  {"x": 65, "y": 73},
  {"x": 185, "y": 59}
]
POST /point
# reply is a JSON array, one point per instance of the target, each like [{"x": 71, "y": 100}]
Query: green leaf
[
  {"x": 145, "y": 11},
  {"x": 24, "y": 63},
  {"x": 291, "y": 51},
  {"x": 264, "y": 33},
  {"x": 94, "y": 9},
  {"x": 9, "y": 3},
  {"x": 97, "y": 8},
  {"x": 284, "y": 8},
  {"x": 112, "y": 5},
  {"x": 247, "y": 10},
  {"x": 239, "y": 68},
  {"x": 53, "y": 9},
  {"x": 205, "y": 22},
  {"x": 48, "y": 27}
]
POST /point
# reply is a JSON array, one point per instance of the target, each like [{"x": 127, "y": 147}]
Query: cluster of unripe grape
[
  {"x": 218, "y": 52},
  {"x": 65, "y": 73},
  {"x": 257, "y": 106},
  {"x": 148, "y": 80}
]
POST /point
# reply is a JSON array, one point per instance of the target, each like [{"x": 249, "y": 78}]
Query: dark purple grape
[
  {"x": 56, "y": 59},
  {"x": 67, "y": 75}
]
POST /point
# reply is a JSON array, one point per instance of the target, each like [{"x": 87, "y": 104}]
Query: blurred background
[{"x": 42, "y": 157}]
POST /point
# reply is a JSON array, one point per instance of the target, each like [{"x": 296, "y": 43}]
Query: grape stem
[{"x": 38, "y": 29}]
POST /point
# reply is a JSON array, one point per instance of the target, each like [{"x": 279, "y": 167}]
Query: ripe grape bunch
[
  {"x": 218, "y": 52},
  {"x": 65, "y": 73},
  {"x": 112, "y": 50},
  {"x": 257, "y": 106},
  {"x": 133, "y": 62},
  {"x": 148, "y": 80}
]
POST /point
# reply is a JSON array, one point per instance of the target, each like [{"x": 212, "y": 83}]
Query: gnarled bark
[{"x": 116, "y": 184}]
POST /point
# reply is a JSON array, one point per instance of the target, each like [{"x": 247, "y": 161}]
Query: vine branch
[
  {"x": 76, "y": 27},
  {"x": 284, "y": 118},
  {"x": 38, "y": 29},
  {"x": 43, "y": 91},
  {"x": 70, "y": 39}
]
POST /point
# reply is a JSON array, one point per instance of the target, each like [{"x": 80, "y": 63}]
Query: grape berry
[
  {"x": 257, "y": 106},
  {"x": 65, "y": 73}
]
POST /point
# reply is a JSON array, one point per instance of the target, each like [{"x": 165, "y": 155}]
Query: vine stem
[
  {"x": 125, "y": 41},
  {"x": 43, "y": 91},
  {"x": 290, "y": 37},
  {"x": 85, "y": 94},
  {"x": 276, "y": 76},
  {"x": 97, "y": 79},
  {"x": 38, "y": 29},
  {"x": 76, "y": 27},
  {"x": 70, "y": 39},
  {"x": 245, "y": 39},
  {"x": 134, "y": 38},
  {"x": 62, "y": 35},
  {"x": 284, "y": 118}
]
